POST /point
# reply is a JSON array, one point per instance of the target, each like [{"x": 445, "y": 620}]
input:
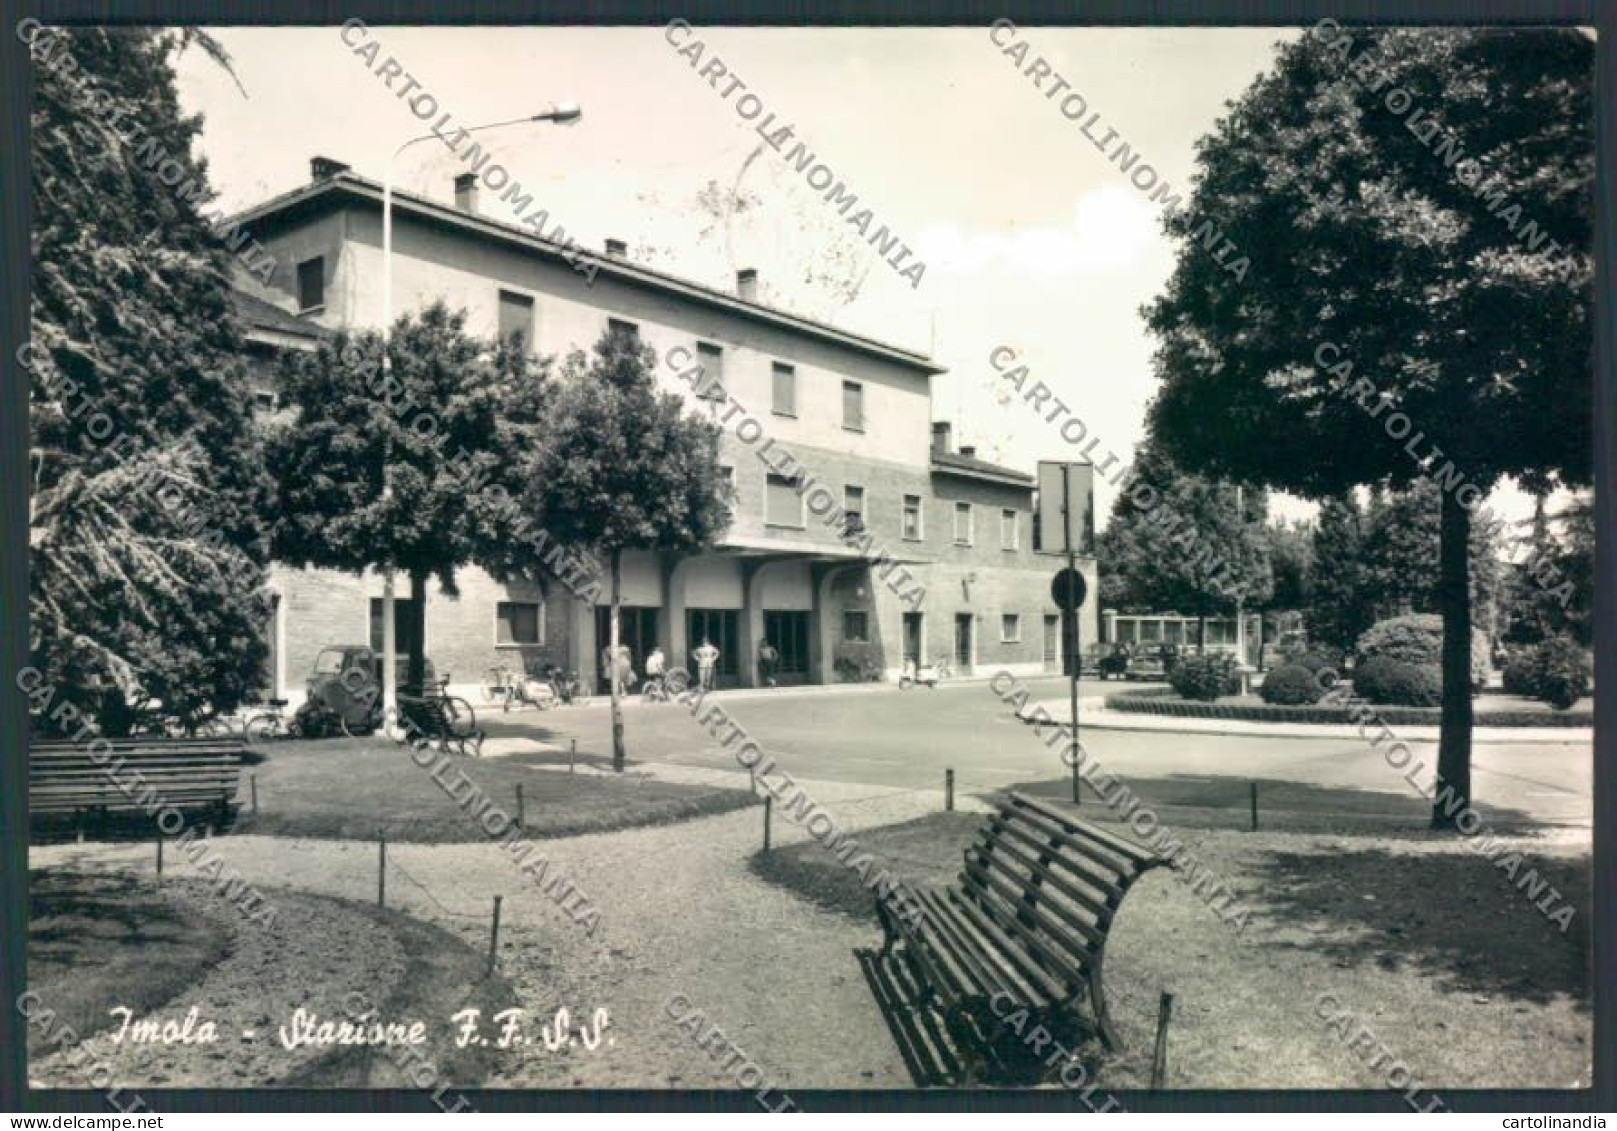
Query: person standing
[
  {"x": 768, "y": 662},
  {"x": 707, "y": 660},
  {"x": 656, "y": 664}
]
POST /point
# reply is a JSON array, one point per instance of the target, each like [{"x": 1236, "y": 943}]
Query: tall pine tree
[{"x": 147, "y": 547}]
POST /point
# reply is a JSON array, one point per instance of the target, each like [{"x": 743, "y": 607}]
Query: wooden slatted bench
[
  {"x": 184, "y": 773},
  {"x": 1027, "y": 919}
]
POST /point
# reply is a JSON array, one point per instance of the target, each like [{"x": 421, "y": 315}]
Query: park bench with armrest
[
  {"x": 447, "y": 722},
  {"x": 133, "y": 774},
  {"x": 1026, "y": 921}
]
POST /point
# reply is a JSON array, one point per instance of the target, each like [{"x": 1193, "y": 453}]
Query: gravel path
[
  {"x": 680, "y": 913},
  {"x": 316, "y": 952}
]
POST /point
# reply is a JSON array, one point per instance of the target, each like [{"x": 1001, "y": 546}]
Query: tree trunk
[
  {"x": 1454, "y": 598},
  {"x": 415, "y": 672},
  {"x": 1201, "y": 634},
  {"x": 612, "y": 671}
]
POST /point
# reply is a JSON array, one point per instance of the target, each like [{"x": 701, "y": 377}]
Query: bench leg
[
  {"x": 1097, "y": 1002},
  {"x": 889, "y": 932}
]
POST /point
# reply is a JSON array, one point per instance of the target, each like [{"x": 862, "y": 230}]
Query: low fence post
[
  {"x": 572, "y": 755},
  {"x": 381, "y": 868},
  {"x": 494, "y": 938},
  {"x": 519, "y": 805},
  {"x": 1159, "y": 1059},
  {"x": 769, "y": 805},
  {"x": 1254, "y": 806},
  {"x": 159, "y": 852},
  {"x": 948, "y": 791},
  {"x": 252, "y": 780}
]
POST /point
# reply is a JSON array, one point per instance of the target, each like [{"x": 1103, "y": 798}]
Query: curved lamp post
[{"x": 562, "y": 114}]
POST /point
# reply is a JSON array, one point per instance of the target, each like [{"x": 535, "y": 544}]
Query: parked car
[
  {"x": 1106, "y": 661},
  {"x": 1151, "y": 661}
]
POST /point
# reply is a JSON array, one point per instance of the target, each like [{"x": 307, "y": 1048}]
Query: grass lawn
[
  {"x": 1426, "y": 943},
  {"x": 350, "y": 789},
  {"x": 98, "y": 941}
]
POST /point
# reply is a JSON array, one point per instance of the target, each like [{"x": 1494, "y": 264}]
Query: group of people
[{"x": 621, "y": 665}]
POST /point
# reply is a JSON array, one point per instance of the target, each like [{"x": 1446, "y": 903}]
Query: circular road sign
[{"x": 1068, "y": 589}]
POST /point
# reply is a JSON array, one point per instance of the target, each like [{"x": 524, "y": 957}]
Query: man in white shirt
[{"x": 707, "y": 660}]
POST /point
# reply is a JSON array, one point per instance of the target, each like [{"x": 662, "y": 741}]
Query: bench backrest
[
  {"x": 1051, "y": 883},
  {"x": 62, "y": 776}
]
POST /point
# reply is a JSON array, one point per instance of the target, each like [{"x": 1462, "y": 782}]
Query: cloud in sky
[{"x": 1111, "y": 229}]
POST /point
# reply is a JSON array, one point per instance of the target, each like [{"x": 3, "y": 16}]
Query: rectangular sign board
[{"x": 1080, "y": 524}]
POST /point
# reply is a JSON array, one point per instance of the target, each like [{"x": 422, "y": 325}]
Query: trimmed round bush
[
  {"x": 1561, "y": 672},
  {"x": 1316, "y": 660},
  {"x": 1418, "y": 639},
  {"x": 1205, "y": 678},
  {"x": 1291, "y": 685},
  {"x": 1384, "y": 680},
  {"x": 1520, "y": 672}
]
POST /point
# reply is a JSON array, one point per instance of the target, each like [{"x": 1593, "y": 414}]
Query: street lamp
[{"x": 561, "y": 114}]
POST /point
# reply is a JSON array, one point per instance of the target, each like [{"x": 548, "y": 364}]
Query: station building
[{"x": 855, "y": 412}]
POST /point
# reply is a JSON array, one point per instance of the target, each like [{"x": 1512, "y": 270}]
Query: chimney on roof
[
  {"x": 466, "y": 192},
  {"x": 968, "y": 450},
  {"x": 322, "y": 167},
  {"x": 941, "y": 436},
  {"x": 747, "y": 284},
  {"x": 616, "y": 248}
]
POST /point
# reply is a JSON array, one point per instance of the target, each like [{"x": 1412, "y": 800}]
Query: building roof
[
  {"x": 260, "y": 314},
  {"x": 953, "y": 463},
  {"x": 350, "y": 186}
]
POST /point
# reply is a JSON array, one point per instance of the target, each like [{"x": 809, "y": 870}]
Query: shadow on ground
[
  {"x": 1398, "y": 911},
  {"x": 1213, "y": 802},
  {"x": 979, "y": 1053}
]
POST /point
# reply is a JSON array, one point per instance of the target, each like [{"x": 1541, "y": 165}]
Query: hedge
[{"x": 1155, "y": 701}]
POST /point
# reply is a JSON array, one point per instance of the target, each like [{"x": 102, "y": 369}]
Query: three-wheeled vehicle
[{"x": 345, "y": 691}]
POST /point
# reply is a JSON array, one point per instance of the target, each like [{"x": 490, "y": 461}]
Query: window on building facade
[
  {"x": 913, "y": 531},
  {"x": 312, "y": 284},
  {"x": 1010, "y": 628},
  {"x": 853, "y": 501},
  {"x": 962, "y": 524},
  {"x": 519, "y": 622},
  {"x": 1052, "y": 637},
  {"x": 622, "y": 329},
  {"x": 855, "y": 626},
  {"x": 1007, "y": 530},
  {"x": 782, "y": 504},
  {"x": 1038, "y": 534},
  {"x": 711, "y": 358},
  {"x": 853, "y": 406},
  {"x": 783, "y": 389},
  {"x": 516, "y": 317}
]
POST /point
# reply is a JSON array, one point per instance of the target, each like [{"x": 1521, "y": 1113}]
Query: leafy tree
[
  {"x": 1400, "y": 555},
  {"x": 1550, "y": 590},
  {"x": 147, "y": 547},
  {"x": 1291, "y": 559},
  {"x": 1436, "y": 270},
  {"x": 408, "y": 469},
  {"x": 1178, "y": 542},
  {"x": 624, "y": 467},
  {"x": 1338, "y": 608}
]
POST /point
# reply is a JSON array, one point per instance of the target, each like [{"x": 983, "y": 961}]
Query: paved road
[{"x": 883, "y": 736}]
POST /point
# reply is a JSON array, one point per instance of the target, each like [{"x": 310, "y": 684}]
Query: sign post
[{"x": 1069, "y": 587}]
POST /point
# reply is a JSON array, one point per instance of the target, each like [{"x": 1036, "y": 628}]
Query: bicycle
[
  {"x": 270, "y": 723},
  {"x": 498, "y": 684},
  {"x": 662, "y": 688}
]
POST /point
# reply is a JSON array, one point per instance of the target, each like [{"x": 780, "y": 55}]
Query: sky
[{"x": 1032, "y": 240}]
